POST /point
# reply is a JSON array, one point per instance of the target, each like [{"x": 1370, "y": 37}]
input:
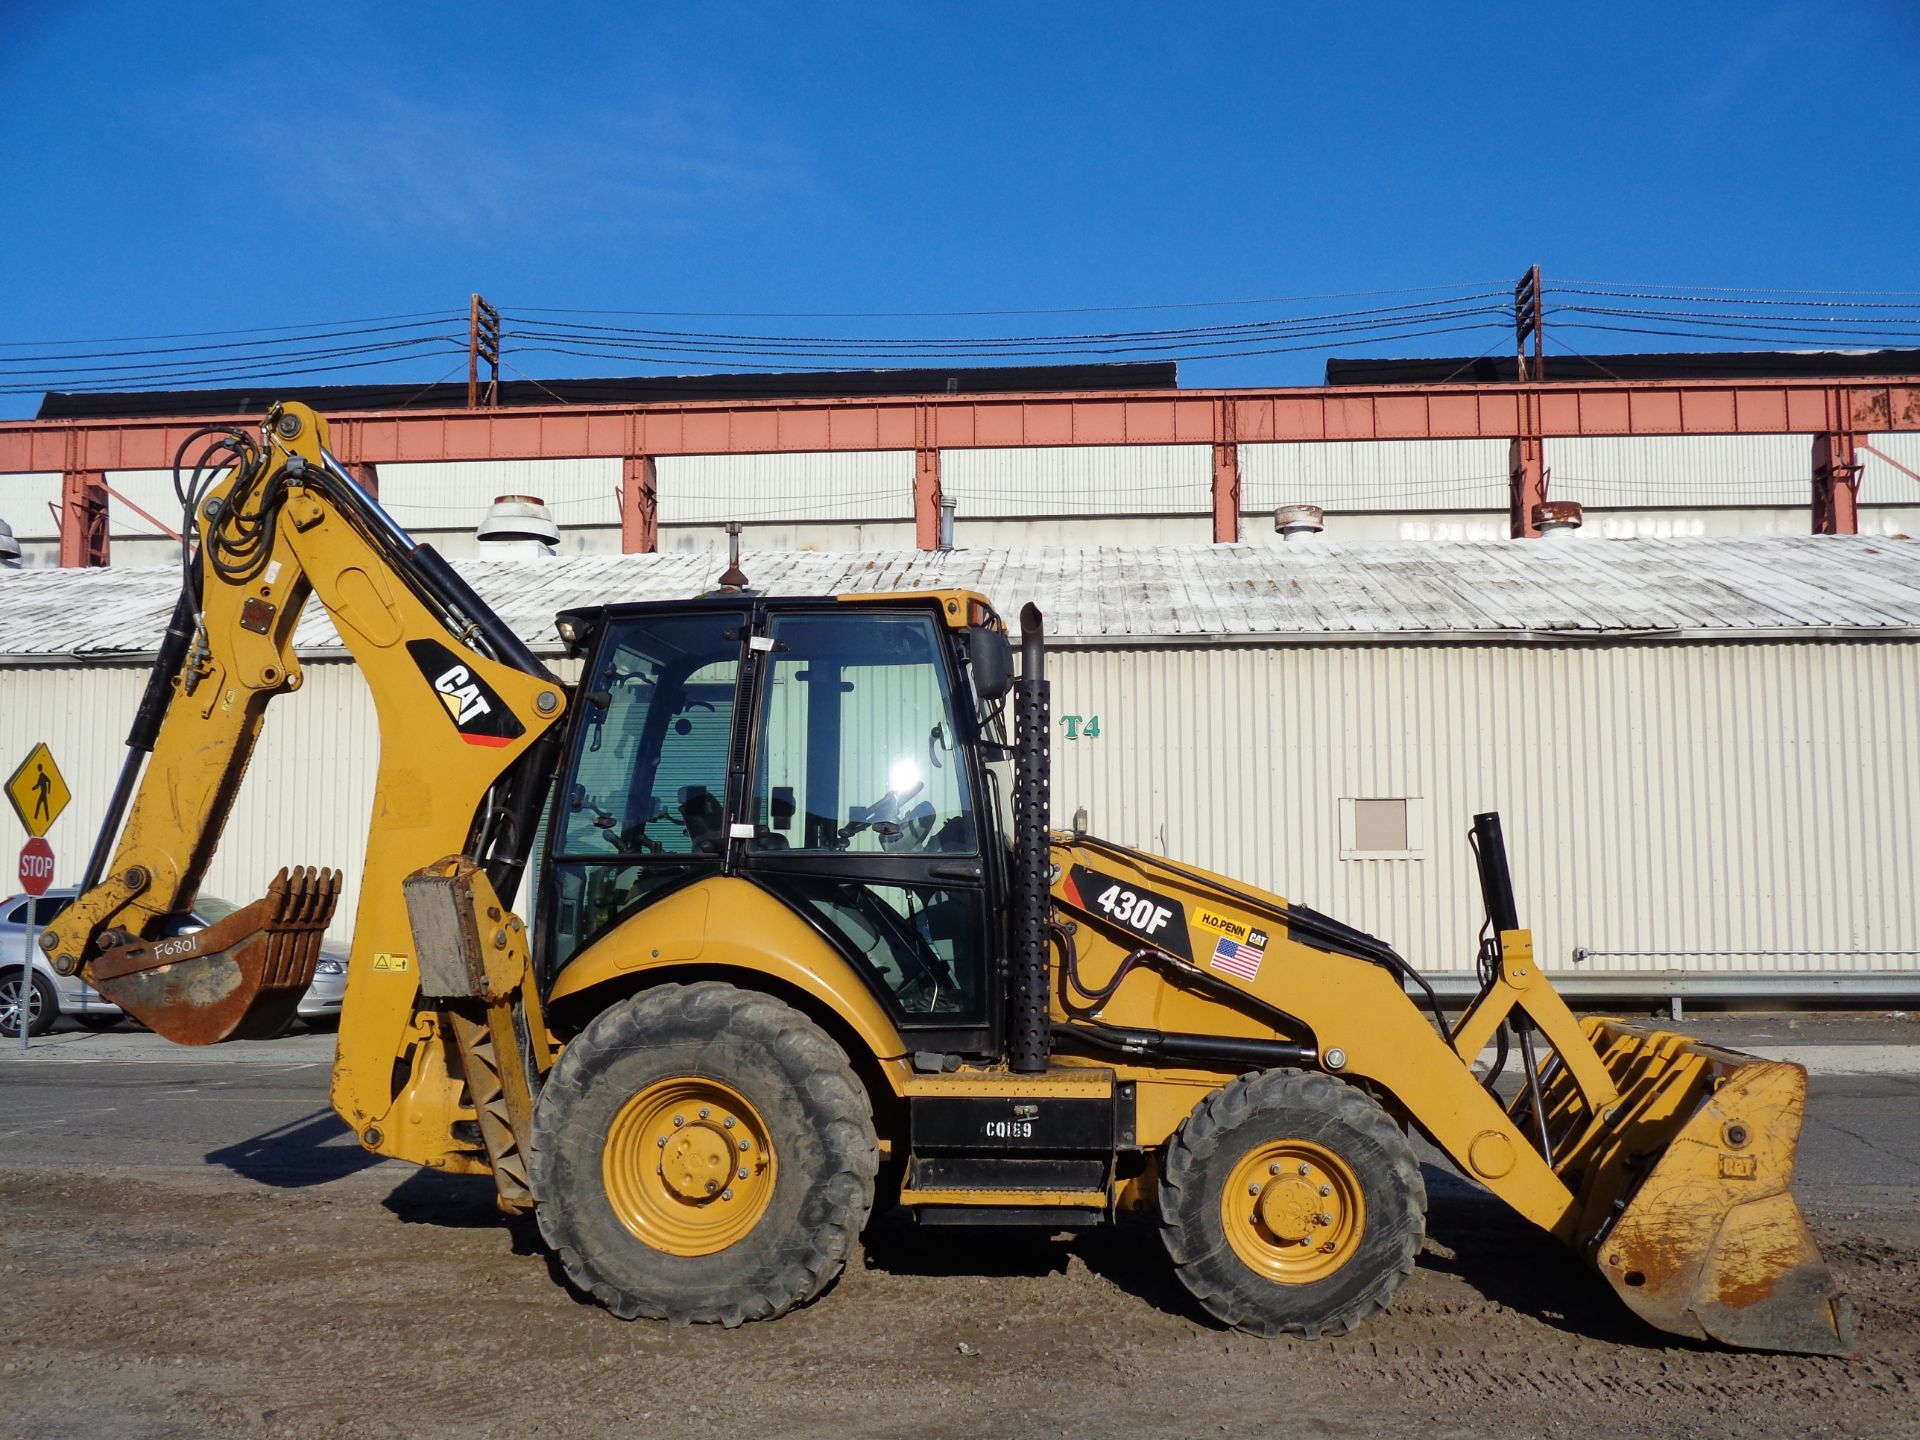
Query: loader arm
[
  {"x": 468, "y": 728},
  {"x": 1664, "y": 1163}
]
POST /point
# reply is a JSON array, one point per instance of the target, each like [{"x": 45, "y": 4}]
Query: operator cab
[{"x": 839, "y": 752}]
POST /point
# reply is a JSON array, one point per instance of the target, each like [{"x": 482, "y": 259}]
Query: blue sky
[{"x": 207, "y": 166}]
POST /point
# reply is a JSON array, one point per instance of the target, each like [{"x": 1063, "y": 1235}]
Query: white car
[{"x": 51, "y": 995}]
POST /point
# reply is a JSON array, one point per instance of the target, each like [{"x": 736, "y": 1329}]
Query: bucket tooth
[{"x": 240, "y": 978}]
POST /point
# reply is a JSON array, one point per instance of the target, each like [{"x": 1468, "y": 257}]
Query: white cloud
[{"x": 388, "y": 162}]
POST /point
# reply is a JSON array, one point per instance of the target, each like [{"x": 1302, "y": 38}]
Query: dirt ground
[{"x": 149, "y": 1302}]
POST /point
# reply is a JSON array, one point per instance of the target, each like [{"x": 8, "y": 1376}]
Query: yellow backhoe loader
[{"x": 807, "y": 943}]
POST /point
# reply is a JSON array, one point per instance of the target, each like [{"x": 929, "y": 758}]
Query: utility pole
[
  {"x": 483, "y": 343},
  {"x": 1529, "y": 323},
  {"x": 1527, "y": 474}
]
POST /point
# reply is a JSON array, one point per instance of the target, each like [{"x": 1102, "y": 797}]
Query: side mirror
[{"x": 991, "y": 654}]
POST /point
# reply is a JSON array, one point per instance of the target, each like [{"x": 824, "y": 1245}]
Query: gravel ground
[{"x": 202, "y": 1253}]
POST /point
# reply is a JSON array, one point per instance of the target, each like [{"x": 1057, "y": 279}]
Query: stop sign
[{"x": 36, "y": 866}]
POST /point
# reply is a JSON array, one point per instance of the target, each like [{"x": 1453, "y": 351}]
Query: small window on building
[{"x": 1381, "y": 828}]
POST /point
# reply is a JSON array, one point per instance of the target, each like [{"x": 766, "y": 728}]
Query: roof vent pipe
[
  {"x": 947, "y": 507},
  {"x": 518, "y": 526},
  {"x": 1558, "y": 519},
  {"x": 9, "y": 547},
  {"x": 1299, "y": 522},
  {"x": 733, "y": 578}
]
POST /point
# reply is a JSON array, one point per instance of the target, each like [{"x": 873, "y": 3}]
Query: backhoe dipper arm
[{"x": 467, "y": 719}]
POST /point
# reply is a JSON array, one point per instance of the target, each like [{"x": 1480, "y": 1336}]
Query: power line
[
  {"x": 1732, "y": 290},
  {"x": 1384, "y": 314},
  {"x": 651, "y": 354},
  {"x": 162, "y": 368},
  {"x": 252, "y": 330},
  {"x": 109, "y": 387},
  {"x": 989, "y": 314},
  {"x": 235, "y": 345}
]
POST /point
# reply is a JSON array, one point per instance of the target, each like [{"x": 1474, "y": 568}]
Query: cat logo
[
  {"x": 477, "y": 712},
  {"x": 462, "y": 697}
]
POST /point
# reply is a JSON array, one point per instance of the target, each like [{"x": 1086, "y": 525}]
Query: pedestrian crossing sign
[{"x": 38, "y": 791}]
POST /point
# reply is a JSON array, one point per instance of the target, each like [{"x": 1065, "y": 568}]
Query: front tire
[
  {"x": 704, "y": 1155},
  {"x": 42, "y": 1003},
  {"x": 1290, "y": 1202}
]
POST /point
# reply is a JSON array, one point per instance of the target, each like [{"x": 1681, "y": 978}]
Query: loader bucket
[
  {"x": 1687, "y": 1206},
  {"x": 241, "y": 978}
]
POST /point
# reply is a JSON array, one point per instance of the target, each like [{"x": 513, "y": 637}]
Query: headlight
[{"x": 327, "y": 966}]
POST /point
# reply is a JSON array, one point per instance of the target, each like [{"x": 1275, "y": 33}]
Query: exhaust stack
[{"x": 1030, "y": 1043}]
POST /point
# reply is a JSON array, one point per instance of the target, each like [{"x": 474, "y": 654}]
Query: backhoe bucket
[
  {"x": 1687, "y": 1206},
  {"x": 241, "y": 978}
]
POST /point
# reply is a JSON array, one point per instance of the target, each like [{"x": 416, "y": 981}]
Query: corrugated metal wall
[
  {"x": 713, "y": 489},
  {"x": 1410, "y": 475},
  {"x": 1754, "y": 806},
  {"x": 1091, "y": 480},
  {"x": 454, "y": 495},
  {"x": 307, "y": 796}
]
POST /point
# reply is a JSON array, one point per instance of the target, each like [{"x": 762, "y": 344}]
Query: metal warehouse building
[{"x": 1705, "y": 750}]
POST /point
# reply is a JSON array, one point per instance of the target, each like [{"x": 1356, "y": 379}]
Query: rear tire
[
  {"x": 1290, "y": 1202},
  {"x": 677, "y": 1064},
  {"x": 43, "y": 1004}
]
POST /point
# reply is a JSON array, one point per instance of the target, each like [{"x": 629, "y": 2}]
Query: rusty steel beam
[
  {"x": 85, "y": 536},
  {"x": 1524, "y": 414},
  {"x": 957, "y": 422},
  {"x": 1836, "y": 485},
  {"x": 926, "y": 499},
  {"x": 1526, "y": 485},
  {"x": 639, "y": 505},
  {"x": 1226, "y": 494}
]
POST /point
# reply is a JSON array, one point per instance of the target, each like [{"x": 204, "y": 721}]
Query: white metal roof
[{"x": 1851, "y": 587}]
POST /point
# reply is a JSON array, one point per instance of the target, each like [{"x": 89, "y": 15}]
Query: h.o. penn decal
[{"x": 476, "y": 709}]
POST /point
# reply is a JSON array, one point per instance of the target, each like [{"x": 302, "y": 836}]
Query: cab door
[
  {"x": 862, "y": 813},
  {"x": 642, "y": 808}
]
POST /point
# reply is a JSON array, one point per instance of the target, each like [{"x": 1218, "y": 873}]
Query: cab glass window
[
  {"x": 859, "y": 745},
  {"x": 922, "y": 943},
  {"x": 649, "y": 776}
]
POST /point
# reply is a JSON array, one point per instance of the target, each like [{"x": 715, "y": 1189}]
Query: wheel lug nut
[
  {"x": 1326, "y": 1189},
  {"x": 1305, "y": 1169},
  {"x": 1323, "y": 1218},
  {"x": 679, "y": 1119},
  {"x": 1273, "y": 1169},
  {"x": 661, "y": 1142},
  {"x": 705, "y": 1112},
  {"x": 743, "y": 1172},
  {"x": 728, "y": 1122},
  {"x": 743, "y": 1145},
  {"x": 712, "y": 1185},
  {"x": 1253, "y": 1189},
  {"x": 726, "y": 1194}
]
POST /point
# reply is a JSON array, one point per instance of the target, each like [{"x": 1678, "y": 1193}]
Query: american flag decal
[{"x": 1237, "y": 958}]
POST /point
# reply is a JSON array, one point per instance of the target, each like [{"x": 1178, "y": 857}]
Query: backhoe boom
[{"x": 468, "y": 721}]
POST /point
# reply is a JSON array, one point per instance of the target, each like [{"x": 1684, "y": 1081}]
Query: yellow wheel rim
[
  {"x": 688, "y": 1166},
  {"x": 1293, "y": 1211}
]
